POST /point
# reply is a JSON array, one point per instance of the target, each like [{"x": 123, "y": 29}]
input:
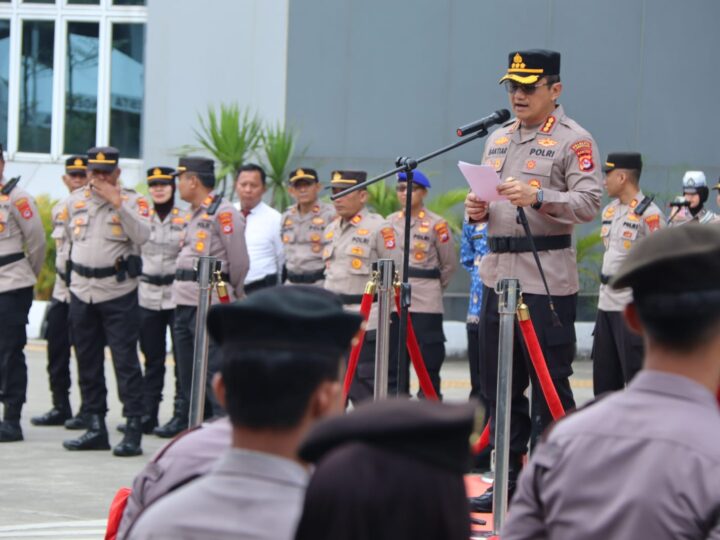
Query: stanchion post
[
  {"x": 382, "y": 342},
  {"x": 508, "y": 290},
  {"x": 205, "y": 268}
]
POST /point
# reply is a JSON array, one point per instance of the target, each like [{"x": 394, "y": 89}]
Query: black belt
[
  {"x": 9, "y": 259},
  {"x": 183, "y": 274},
  {"x": 86, "y": 271},
  {"x": 348, "y": 299},
  {"x": 521, "y": 244},
  {"x": 427, "y": 273},
  {"x": 167, "y": 279},
  {"x": 605, "y": 279},
  {"x": 310, "y": 277},
  {"x": 267, "y": 281},
  {"x": 62, "y": 275}
]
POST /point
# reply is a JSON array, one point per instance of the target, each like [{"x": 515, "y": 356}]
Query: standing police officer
[
  {"x": 355, "y": 240},
  {"x": 618, "y": 352},
  {"x": 58, "y": 324},
  {"x": 548, "y": 163},
  {"x": 22, "y": 253},
  {"x": 696, "y": 193},
  {"x": 433, "y": 261},
  {"x": 107, "y": 224},
  {"x": 215, "y": 229},
  {"x": 302, "y": 229}
]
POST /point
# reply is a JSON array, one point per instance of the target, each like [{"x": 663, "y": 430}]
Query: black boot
[
  {"x": 78, "y": 422},
  {"x": 149, "y": 423},
  {"x": 130, "y": 445},
  {"x": 484, "y": 503},
  {"x": 10, "y": 431},
  {"x": 54, "y": 417},
  {"x": 95, "y": 438},
  {"x": 173, "y": 427}
]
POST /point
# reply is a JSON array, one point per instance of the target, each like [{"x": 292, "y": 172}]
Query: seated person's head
[
  {"x": 389, "y": 470},
  {"x": 283, "y": 353}
]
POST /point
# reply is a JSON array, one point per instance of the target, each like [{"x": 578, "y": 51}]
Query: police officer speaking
[
  {"x": 549, "y": 164},
  {"x": 22, "y": 252},
  {"x": 107, "y": 224},
  {"x": 617, "y": 352},
  {"x": 695, "y": 193}
]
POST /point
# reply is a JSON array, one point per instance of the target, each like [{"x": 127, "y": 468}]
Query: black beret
[
  {"x": 76, "y": 164},
  {"x": 103, "y": 158},
  {"x": 298, "y": 317},
  {"x": 527, "y": 67},
  {"x": 346, "y": 179},
  {"x": 437, "y": 433},
  {"x": 303, "y": 173},
  {"x": 674, "y": 267},
  {"x": 623, "y": 160},
  {"x": 160, "y": 175}
]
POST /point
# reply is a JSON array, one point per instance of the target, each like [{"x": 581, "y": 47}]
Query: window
[{"x": 71, "y": 76}]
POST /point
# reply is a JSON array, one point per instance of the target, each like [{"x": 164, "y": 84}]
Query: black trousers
[
  {"x": 14, "y": 308},
  {"x": 617, "y": 352},
  {"x": 59, "y": 340},
  {"x": 363, "y": 384},
  {"x": 153, "y": 330},
  {"x": 431, "y": 340},
  {"x": 117, "y": 323},
  {"x": 474, "y": 359},
  {"x": 184, "y": 349},
  {"x": 558, "y": 345}
]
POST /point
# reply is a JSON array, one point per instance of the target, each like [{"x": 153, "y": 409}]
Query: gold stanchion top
[
  {"x": 523, "y": 311},
  {"x": 371, "y": 285}
]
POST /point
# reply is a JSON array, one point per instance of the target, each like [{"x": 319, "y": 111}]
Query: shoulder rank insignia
[{"x": 549, "y": 125}]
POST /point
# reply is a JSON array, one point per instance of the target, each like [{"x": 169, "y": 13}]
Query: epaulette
[
  {"x": 7, "y": 188},
  {"x": 214, "y": 205},
  {"x": 644, "y": 205}
]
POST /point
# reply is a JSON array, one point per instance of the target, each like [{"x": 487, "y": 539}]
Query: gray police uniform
[
  {"x": 618, "y": 352},
  {"x": 159, "y": 257},
  {"x": 685, "y": 216},
  {"x": 22, "y": 253},
  {"x": 602, "y": 472},
  {"x": 104, "y": 302},
  {"x": 304, "y": 241}
]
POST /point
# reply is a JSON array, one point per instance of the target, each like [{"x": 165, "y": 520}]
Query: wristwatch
[{"x": 539, "y": 196}]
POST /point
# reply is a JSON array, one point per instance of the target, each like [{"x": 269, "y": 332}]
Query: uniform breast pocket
[
  {"x": 419, "y": 252},
  {"x": 496, "y": 162},
  {"x": 288, "y": 236},
  {"x": 115, "y": 231},
  {"x": 628, "y": 234},
  {"x": 4, "y": 228},
  {"x": 537, "y": 171},
  {"x": 359, "y": 257},
  {"x": 79, "y": 227}
]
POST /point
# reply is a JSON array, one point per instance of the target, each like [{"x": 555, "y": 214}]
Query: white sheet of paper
[{"x": 483, "y": 181}]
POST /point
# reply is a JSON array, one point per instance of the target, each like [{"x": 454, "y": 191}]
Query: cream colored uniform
[
  {"x": 159, "y": 256},
  {"x": 304, "y": 240},
  {"x": 59, "y": 214},
  {"x": 703, "y": 216},
  {"x": 432, "y": 249},
  {"x": 21, "y": 231},
  {"x": 101, "y": 234}
]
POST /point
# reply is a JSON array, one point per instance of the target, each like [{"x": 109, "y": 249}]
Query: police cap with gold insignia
[
  {"x": 623, "y": 160},
  {"x": 76, "y": 165},
  {"x": 200, "y": 165},
  {"x": 436, "y": 433},
  {"x": 301, "y": 317},
  {"x": 673, "y": 269},
  {"x": 160, "y": 175},
  {"x": 418, "y": 178},
  {"x": 717, "y": 186},
  {"x": 527, "y": 67},
  {"x": 303, "y": 174},
  {"x": 103, "y": 158},
  {"x": 346, "y": 179}
]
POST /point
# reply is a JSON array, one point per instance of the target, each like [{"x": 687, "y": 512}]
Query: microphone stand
[{"x": 407, "y": 165}]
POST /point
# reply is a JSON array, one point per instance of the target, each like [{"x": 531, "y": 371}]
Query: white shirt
[{"x": 264, "y": 245}]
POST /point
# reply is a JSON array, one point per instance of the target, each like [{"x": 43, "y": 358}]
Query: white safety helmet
[{"x": 693, "y": 180}]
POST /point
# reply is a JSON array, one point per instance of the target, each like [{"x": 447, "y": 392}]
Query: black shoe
[
  {"x": 95, "y": 438},
  {"x": 10, "y": 431},
  {"x": 484, "y": 503},
  {"x": 149, "y": 423},
  {"x": 78, "y": 422},
  {"x": 130, "y": 445},
  {"x": 173, "y": 427},
  {"x": 54, "y": 417}
]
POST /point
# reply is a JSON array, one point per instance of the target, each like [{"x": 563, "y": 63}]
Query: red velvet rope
[
  {"x": 538, "y": 361},
  {"x": 483, "y": 441},
  {"x": 416, "y": 355},
  {"x": 365, "y": 307}
]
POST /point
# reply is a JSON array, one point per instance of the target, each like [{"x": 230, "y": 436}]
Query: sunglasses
[
  {"x": 527, "y": 89},
  {"x": 159, "y": 183}
]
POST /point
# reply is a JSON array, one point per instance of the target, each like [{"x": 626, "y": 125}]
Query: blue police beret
[{"x": 418, "y": 178}]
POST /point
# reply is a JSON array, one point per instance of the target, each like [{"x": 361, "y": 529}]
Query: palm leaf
[
  {"x": 278, "y": 149},
  {"x": 382, "y": 199}
]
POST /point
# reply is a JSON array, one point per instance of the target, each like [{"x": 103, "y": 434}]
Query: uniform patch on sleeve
[
  {"x": 388, "y": 234},
  {"x": 143, "y": 207},
  {"x": 583, "y": 151},
  {"x": 226, "y": 222},
  {"x": 23, "y": 206},
  {"x": 653, "y": 222},
  {"x": 442, "y": 232}
]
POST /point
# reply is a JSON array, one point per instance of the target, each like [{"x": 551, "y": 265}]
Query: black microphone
[
  {"x": 679, "y": 202},
  {"x": 498, "y": 117}
]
